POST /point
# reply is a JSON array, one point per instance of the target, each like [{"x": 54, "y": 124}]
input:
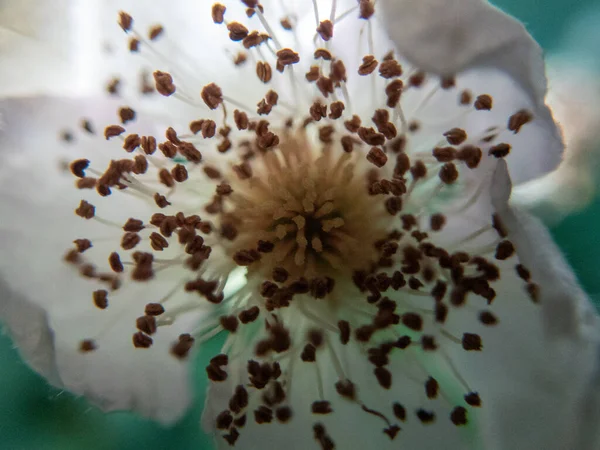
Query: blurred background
[{"x": 34, "y": 416}]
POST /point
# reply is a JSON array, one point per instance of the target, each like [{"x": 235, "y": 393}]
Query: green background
[{"x": 34, "y": 416}]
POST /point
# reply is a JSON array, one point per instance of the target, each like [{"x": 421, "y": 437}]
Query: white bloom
[{"x": 340, "y": 213}]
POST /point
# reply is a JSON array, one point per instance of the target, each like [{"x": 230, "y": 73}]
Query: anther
[{"x": 164, "y": 83}]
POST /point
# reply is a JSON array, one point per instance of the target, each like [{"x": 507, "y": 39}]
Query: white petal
[
  {"x": 544, "y": 356},
  {"x": 36, "y": 40},
  {"x": 451, "y": 37},
  {"x": 573, "y": 96},
  {"x": 28, "y": 326},
  {"x": 38, "y": 226}
]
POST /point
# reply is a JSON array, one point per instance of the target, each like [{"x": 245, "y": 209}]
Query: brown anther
[
  {"x": 504, "y": 250},
  {"x": 500, "y": 150},
  {"x": 113, "y": 131},
  {"x": 517, "y": 120},
  {"x": 390, "y": 69},
  {"x": 487, "y": 318},
  {"x": 313, "y": 74},
  {"x": 115, "y": 262},
  {"x": 287, "y": 57},
  {"x": 166, "y": 178},
  {"x": 161, "y": 201},
  {"x": 141, "y": 340},
  {"x": 158, "y": 242},
  {"x": 280, "y": 275},
  {"x": 243, "y": 171},
  {"x": 321, "y": 407},
  {"x": 523, "y": 272},
  {"x": 348, "y": 143},
  {"x": 466, "y": 97},
  {"x": 100, "y": 298},
  {"x": 134, "y": 45},
  {"x": 82, "y": 245},
  {"x": 264, "y": 71},
  {"x": 448, "y": 82},
  {"x": 458, "y": 416},
  {"x": 384, "y": 377},
  {"x": 393, "y": 205},
  {"x": 456, "y": 136},
  {"x": 179, "y": 173},
  {"x": 85, "y": 210},
  {"x": 130, "y": 241},
  {"x": 325, "y": 30},
  {"x": 164, "y": 83},
  {"x": 224, "y": 420},
  {"x": 147, "y": 324},
  {"x": 215, "y": 373},
  {"x": 432, "y": 388},
  {"x": 286, "y": 24},
  {"x": 246, "y": 257},
  {"x": 322, "y": 53},
  {"x": 534, "y": 292},
  {"x": 437, "y": 222},
  {"x": 470, "y": 155},
  {"x": 263, "y": 108},
  {"x": 325, "y": 86},
  {"x": 412, "y": 321},
  {"x": 368, "y": 65},
  {"x": 370, "y": 136},
  {"x": 263, "y": 415},
  {"x": 471, "y": 342},
  {"x": 367, "y": 9},
  {"x": 212, "y": 95},
  {"x": 249, "y": 315},
  {"x": 218, "y": 13},
  {"x": 318, "y": 111},
  {"x": 417, "y": 79},
  {"x": 448, "y": 173},
  {"x": 402, "y": 165},
  {"x": 229, "y": 323},
  {"x": 148, "y": 144},
  {"x": 473, "y": 399},
  {"x": 283, "y": 414},
  {"x": 183, "y": 346},
  {"x": 426, "y": 417},
  {"x": 87, "y": 346},
  {"x": 483, "y": 103},
  {"x": 131, "y": 142},
  {"x": 344, "y": 328},
  {"x": 86, "y": 183},
  {"x": 253, "y": 39},
  {"x": 237, "y": 31},
  {"x": 154, "y": 309},
  {"x": 377, "y": 157},
  {"x": 399, "y": 411},
  {"x": 155, "y": 32},
  {"x": 418, "y": 170},
  {"x": 125, "y": 21},
  {"x": 78, "y": 167},
  {"x": 444, "y": 154},
  {"x": 113, "y": 86}
]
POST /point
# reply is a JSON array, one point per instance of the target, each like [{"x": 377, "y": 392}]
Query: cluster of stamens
[{"x": 322, "y": 210}]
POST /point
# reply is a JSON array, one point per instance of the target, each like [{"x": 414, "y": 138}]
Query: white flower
[{"x": 340, "y": 213}]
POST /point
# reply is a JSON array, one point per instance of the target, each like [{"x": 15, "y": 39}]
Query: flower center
[{"x": 305, "y": 209}]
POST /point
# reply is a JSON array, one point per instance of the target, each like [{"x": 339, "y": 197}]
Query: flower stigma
[{"x": 352, "y": 195}]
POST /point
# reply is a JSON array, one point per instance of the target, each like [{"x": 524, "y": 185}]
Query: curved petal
[
  {"x": 552, "y": 361},
  {"x": 573, "y": 96},
  {"x": 28, "y": 326},
  {"x": 37, "y": 229},
  {"x": 450, "y": 37}
]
